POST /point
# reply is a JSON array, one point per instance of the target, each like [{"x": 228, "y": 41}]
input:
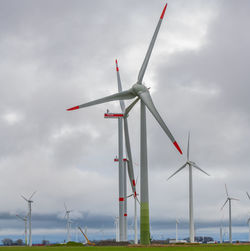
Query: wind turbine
[
  {"x": 29, "y": 216},
  {"x": 229, "y": 199},
  {"x": 25, "y": 219},
  {"x": 190, "y": 164},
  {"x": 67, "y": 212},
  {"x": 138, "y": 90}
]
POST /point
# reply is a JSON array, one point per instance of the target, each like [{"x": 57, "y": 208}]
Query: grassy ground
[{"x": 210, "y": 247}]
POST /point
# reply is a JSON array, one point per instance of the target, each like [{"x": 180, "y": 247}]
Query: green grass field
[{"x": 169, "y": 248}]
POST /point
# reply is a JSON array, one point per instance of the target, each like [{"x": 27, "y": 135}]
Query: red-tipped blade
[
  {"x": 177, "y": 146},
  {"x": 73, "y": 108},
  {"x": 163, "y": 12}
]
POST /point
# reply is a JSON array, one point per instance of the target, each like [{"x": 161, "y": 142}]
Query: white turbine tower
[
  {"x": 141, "y": 92},
  {"x": 116, "y": 223},
  {"x": 229, "y": 199},
  {"x": 25, "y": 219},
  {"x": 68, "y": 225},
  {"x": 29, "y": 216},
  {"x": 190, "y": 165}
]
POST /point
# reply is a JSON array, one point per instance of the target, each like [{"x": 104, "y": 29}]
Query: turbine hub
[{"x": 137, "y": 89}]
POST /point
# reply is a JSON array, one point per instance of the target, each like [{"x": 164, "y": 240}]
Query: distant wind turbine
[
  {"x": 29, "y": 215},
  {"x": 177, "y": 221},
  {"x": 67, "y": 212},
  {"x": 229, "y": 199},
  {"x": 190, "y": 164}
]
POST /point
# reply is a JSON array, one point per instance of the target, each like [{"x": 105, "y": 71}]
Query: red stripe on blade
[
  {"x": 133, "y": 182},
  {"x": 117, "y": 69},
  {"x": 121, "y": 199},
  {"x": 177, "y": 146},
  {"x": 73, "y": 108},
  {"x": 125, "y": 215},
  {"x": 116, "y": 61},
  {"x": 163, "y": 12}
]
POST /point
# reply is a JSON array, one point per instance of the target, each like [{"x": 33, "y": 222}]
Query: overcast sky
[{"x": 58, "y": 54}]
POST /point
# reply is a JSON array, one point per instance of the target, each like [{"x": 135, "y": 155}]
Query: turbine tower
[
  {"x": 229, "y": 199},
  {"x": 67, "y": 212},
  {"x": 25, "y": 219},
  {"x": 29, "y": 216},
  {"x": 138, "y": 90},
  {"x": 190, "y": 165}
]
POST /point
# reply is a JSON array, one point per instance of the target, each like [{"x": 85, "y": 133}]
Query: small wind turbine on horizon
[
  {"x": 190, "y": 165},
  {"x": 25, "y": 219},
  {"x": 67, "y": 212},
  {"x": 229, "y": 199},
  {"x": 29, "y": 215},
  {"x": 141, "y": 92}
]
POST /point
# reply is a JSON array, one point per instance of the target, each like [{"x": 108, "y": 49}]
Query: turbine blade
[
  {"x": 150, "y": 48},
  {"x": 188, "y": 146},
  {"x": 65, "y": 206},
  {"x": 117, "y": 96},
  {"x": 20, "y": 217},
  {"x": 177, "y": 171},
  {"x": 234, "y": 199},
  {"x": 32, "y": 195},
  {"x": 248, "y": 195},
  {"x": 194, "y": 165},
  {"x": 129, "y": 154},
  {"x": 24, "y": 198},
  {"x": 147, "y": 100},
  {"x": 224, "y": 204},
  {"x": 130, "y": 195},
  {"x": 129, "y": 108},
  {"x": 137, "y": 200},
  {"x": 122, "y": 103},
  {"x": 248, "y": 220},
  {"x": 226, "y": 190}
]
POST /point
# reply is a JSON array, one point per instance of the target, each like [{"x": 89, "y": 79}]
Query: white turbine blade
[
  {"x": 65, "y": 207},
  {"x": 248, "y": 220},
  {"x": 224, "y": 204},
  {"x": 147, "y": 100},
  {"x": 248, "y": 195},
  {"x": 129, "y": 154},
  {"x": 226, "y": 190},
  {"x": 117, "y": 96},
  {"x": 188, "y": 146},
  {"x": 130, "y": 195},
  {"x": 194, "y": 165},
  {"x": 24, "y": 198},
  {"x": 129, "y": 108},
  {"x": 122, "y": 103},
  {"x": 150, "y": 48},
  {"x": 32, "y": 195},
  {"x": 138, "y": 200},
  {"x": 234, "y": 199},
  {"x": 177, "y": 171},
  {"x": 20, "y": 217}
]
